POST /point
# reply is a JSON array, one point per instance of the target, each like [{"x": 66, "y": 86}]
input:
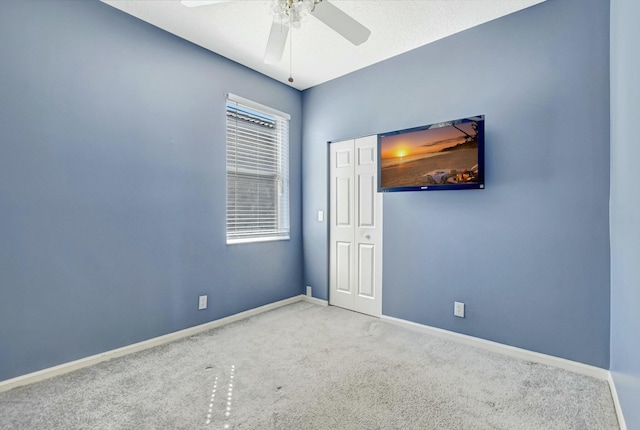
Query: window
[{"x": 257, "y": 172}]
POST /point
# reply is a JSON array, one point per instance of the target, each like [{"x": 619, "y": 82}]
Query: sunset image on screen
[{"x": 434, "y": 156}]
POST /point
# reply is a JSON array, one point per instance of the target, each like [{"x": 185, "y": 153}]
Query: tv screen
[{"x": 443, "y": 156}]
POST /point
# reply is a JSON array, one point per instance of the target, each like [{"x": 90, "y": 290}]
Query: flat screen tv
[{"x": 443, "y": 156}]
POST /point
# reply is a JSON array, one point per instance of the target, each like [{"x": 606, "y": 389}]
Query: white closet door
[{"x": 355, "y": 227}]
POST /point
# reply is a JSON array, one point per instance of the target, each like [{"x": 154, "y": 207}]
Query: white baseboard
[
  {"x": 61, "y": 369},
  {"x": 616, "y": 402},
  {"x": 536, "y": 357},
  {"x": 315, "y": 301}
]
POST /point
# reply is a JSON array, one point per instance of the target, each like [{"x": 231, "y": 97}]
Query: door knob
[{"x": 367, "y": 236}]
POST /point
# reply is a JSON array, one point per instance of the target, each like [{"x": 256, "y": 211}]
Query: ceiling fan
[{"x": 288, "y": 13}]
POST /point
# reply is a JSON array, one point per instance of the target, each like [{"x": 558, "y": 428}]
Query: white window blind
[{"x": 257, "y": 172}]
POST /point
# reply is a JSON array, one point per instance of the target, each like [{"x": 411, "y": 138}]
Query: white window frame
[{"x": 257, "y": 171}]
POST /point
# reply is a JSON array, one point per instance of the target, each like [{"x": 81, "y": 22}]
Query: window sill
[{"x": 257, "y": 239}]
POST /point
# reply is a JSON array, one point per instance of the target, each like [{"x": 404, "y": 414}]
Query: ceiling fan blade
[
  {"x": 196, "y": 3},
  {"x": 342, "y": 23},
  {"x": 277, "y": 40}
]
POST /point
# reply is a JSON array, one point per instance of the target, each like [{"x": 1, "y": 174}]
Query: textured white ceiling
[{"x": 239, "y": 30}]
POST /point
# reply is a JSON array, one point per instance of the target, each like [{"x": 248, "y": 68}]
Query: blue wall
[
  {"x": 112, "y": 185},
  {"x": 529, "y": 255},
  {"x": 625, "y": 207}
]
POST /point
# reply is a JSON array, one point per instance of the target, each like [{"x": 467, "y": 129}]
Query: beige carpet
[{"x": 310, "y": 367}]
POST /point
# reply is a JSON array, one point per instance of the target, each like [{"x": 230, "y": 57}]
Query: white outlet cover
[
  {"x": 320, "y": 216},
  {"x": 202, "y": 303},
  {"x": 458, "y": 309}
]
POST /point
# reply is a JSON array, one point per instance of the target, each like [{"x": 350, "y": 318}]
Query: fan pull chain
[{"x": 290, "y": 50}]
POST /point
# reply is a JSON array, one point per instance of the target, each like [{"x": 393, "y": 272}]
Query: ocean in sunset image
[{"x": 435, "y": 156}]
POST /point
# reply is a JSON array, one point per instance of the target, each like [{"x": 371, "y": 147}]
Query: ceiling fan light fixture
[{"x": 293, "y": 11}]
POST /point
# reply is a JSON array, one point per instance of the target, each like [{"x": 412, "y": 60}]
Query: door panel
[
  {"x": 355, "y": 230},
  {"x": 366, "y": 202},
  {"x": 341, "y": 215},
  {"x": 343, "y": 157},
  {"x": 366, "y": 287},
  {"x": 343, "y": 200},
  {"x": 343, "y": 267},
  {"x": 367, "y": 155}
]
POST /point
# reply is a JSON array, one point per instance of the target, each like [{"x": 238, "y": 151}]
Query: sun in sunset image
[{"x": 401, "y": 153}]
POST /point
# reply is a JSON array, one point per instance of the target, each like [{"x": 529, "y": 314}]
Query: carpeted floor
[{"x": 309, "y": 367}]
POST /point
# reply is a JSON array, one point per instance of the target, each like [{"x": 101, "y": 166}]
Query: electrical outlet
[
  {"x": 320, "y": 216},
  {"x": 308, "y": 291},
  {"x": 458, "y": 309},
  {"x": 202, "y": 302}
]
